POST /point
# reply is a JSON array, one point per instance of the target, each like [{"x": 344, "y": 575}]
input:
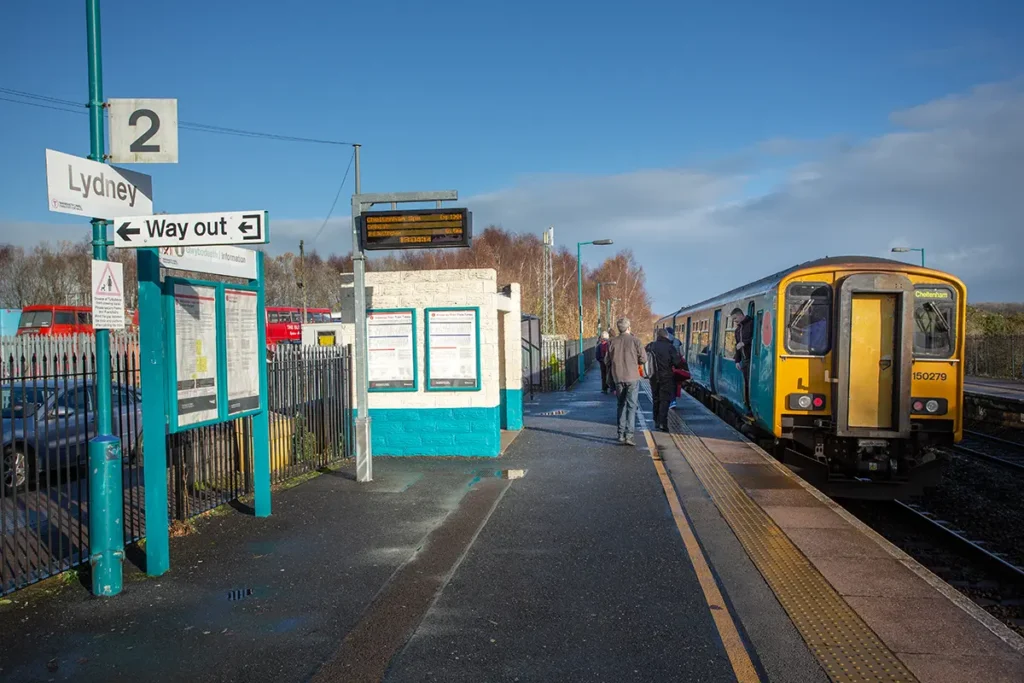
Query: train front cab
[{"x": 873, "y": 399}]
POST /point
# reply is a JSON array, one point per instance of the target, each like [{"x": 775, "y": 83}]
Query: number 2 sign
[{"x": 143, "y": 131}]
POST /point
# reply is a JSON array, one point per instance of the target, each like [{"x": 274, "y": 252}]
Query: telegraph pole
[
  {"x": 302, "y": 281},
  {"x": 106, "y": 499}
]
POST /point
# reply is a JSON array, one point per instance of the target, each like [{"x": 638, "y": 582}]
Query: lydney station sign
[
  {"x": 191, "y": 229},
  {"x": 88, "y": 188}
]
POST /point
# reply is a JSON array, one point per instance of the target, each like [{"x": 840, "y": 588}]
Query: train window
[
  {"x": 934, "y": 322},
  {"x": 808, "y": 318},
  {"x": 729, "y": 338}
]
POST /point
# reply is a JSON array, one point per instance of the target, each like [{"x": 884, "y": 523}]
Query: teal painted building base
[
  {"x": 511, "y": 409},
  {"x": 470, "y": 432}
]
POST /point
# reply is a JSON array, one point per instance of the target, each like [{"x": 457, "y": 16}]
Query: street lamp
[
  {"x": 579, "y": 291},
  {"x": 599, "y": 303},
  {"x": 901, "y": 250}
]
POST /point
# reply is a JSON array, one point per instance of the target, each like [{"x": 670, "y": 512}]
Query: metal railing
[
  {"x": 48, "y": 404},
  {"x": 995, "y": 355},
  {"x": 559, "y": 365}
]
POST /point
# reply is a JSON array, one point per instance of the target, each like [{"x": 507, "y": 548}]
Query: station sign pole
[{"x": 106, "y": 497}]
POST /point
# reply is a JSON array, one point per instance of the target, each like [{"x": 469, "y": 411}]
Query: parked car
[{"x": 46, "y": 425}]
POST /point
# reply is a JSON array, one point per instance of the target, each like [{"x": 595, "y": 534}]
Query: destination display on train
[{"x": 416, "y": 229}]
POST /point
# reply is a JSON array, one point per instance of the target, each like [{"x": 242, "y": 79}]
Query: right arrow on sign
[
  {"x": 246, "y": 226},
  {"x": 124, "y": 231}
]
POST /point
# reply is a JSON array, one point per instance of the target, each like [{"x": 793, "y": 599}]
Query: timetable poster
[
  {"x": 391, "y": 358},
  {"x": 452, "y": 345},
  {"x": 195, "y": 336},
  {"x": 243, "y": 354}
]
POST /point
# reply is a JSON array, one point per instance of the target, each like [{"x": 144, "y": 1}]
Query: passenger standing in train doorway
[{"x": 744, "y": 325}]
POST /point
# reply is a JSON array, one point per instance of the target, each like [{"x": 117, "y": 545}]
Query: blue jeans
[{"x": 628, "y": 399}]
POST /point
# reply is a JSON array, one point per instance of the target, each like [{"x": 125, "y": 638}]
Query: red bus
[
  {"x": 284, "y": 323},
  {"x": 55, "y": 321}
]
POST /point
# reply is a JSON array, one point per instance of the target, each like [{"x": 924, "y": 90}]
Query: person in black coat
[
  {"x": 744, "y": 347},
  {"x": 663, "y": 380}
]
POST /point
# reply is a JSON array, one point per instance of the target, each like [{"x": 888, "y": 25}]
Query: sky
[{"x": 719, "y": 142}]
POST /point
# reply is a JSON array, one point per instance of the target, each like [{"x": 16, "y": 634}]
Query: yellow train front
[{"x": 855, "y": 373}]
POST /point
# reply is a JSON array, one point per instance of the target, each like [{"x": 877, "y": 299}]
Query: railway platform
[
  {"x": 995, "y": 401},
  {"x": 692, "y": 556}
]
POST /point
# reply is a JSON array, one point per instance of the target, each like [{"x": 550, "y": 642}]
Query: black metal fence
[
  {"x": 995, "y": 355},
  {"x": 48, "y": 405},
  {"x": 558, "y": 367}
]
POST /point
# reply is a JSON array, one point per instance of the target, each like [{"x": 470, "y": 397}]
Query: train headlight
[
  {"x": 929, "y": 406},
  {"x": 805, "y": 402}
]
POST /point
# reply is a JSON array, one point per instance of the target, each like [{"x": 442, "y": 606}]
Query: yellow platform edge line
[{"x": 739, "y": 658}]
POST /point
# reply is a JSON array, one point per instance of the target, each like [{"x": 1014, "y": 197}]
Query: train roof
[{"x": 760, "y": 286}]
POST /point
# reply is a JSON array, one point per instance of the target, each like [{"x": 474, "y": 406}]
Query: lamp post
[
  {"x": 901, "y": 250},
  {"x": 610, "y": 318},
  {"x": 579, "y": 292},
  {"x": 599, "y": 304}
]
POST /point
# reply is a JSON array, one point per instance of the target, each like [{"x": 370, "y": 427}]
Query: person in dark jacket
[
  {"x": 744, "y": 347},
  {"x": 663, "y": 380},
  {"x": 602, "y": 356}
]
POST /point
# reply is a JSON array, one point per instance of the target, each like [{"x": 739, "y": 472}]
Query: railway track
[{"x": 1003, "y": 452}]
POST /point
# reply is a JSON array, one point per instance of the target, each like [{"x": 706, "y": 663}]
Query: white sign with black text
[
  {"x": 390, "y": 360},
  {"x": 230, "y": 261},
  {"x": 83, "y": 187},
  {"x": 191, "y": 229},
  {"x": 143, "y": 131},
  {"x": 107, "y": 295},
  {"x": 240, "y": 319},
  {"x": 452, "y": 345},
  {"x": 195, "y": 341}
]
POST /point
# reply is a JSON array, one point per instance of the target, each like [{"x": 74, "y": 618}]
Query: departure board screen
[{"x": 416, "y": 229}]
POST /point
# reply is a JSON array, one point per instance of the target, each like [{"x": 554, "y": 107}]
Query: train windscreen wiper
[
  {"x": 801, "y": 312},
  {"x": 939, "y": 319}
]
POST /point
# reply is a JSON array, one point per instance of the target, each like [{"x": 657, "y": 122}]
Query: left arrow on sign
[
  {"x": 245, "y": 226},
  {"x": 124, "y": 231}
]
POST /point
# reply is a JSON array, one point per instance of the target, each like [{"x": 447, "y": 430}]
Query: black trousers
[
  {"x": 663, "y": 390},
  {"x": 606, "y": 380}
]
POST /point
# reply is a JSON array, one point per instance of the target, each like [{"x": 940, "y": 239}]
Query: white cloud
[{"x": 949, "y": 181}]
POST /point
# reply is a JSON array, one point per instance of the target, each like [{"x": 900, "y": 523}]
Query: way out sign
[
  {"x": 107, "y": 295},
  {"x": 191, "y": 229}
]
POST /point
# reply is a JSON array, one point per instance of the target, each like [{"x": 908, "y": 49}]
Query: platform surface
[
  {"x": 689, "y": 557},
  {"x": 996, "y": 388}
]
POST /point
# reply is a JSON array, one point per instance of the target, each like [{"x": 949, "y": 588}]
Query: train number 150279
[{"x": 930, "y": 376}]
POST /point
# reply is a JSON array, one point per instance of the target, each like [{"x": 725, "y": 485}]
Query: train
[{"x": 856, "y": 370}]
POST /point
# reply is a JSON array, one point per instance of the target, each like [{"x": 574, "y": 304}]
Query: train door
[
  {"x": 874, "y": 355},
  {"x": 716, "y": 353},
  {"x": 686, "y": 345}
]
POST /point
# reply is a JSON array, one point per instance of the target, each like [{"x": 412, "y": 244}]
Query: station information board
[
  {"x": 415, "y": 229},
  {"x": 453, "y": 349},
  {"x": 243, "y": 356},
  {"x": 195, "y": 337},
  {"x": 392, "y": 349}
]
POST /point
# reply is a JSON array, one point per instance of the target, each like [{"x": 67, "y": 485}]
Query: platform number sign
[{"x": 143, "y": 131}]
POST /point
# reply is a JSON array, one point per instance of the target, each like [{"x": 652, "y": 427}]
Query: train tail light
[
  {"x": 806, "y": 401},
  {"x": 929, "y": 406}
]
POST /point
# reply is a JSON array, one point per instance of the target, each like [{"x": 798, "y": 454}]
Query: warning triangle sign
[{"x": 107, "y": 285}]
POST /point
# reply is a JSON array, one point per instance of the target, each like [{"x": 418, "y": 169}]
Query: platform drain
[{"x": 239, "y": 594}]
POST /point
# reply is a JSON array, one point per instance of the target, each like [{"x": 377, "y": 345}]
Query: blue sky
[{"x": 663, "y": 124}]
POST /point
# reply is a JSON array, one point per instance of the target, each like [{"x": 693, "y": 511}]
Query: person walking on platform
[
  {"x": 662, "y": 376},
  {"x": 625, "y": 356},
  {"x": 602, "y": 357}
]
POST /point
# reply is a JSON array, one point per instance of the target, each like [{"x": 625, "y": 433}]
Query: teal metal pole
[
  {"x": 261, "y": 421},
  {"x": 922, "y": 258},
  {"x": 579, "y": 291},
  {"x": 598, "y": 309},
  {"x": 106, "y": 499},
  {"x": 154, "y": 420}
]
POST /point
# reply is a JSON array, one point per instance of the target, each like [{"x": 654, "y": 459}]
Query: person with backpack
[
  {"x": 662, "y": 359},
  {"x": 602, "y": 357},
  {"x": 625, "y": 356}
]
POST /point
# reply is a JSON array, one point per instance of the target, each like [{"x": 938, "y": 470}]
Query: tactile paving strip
[{"x": 844, "y": 645}]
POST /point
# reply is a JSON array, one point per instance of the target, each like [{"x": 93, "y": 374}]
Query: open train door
[{"x": 873, "y": 356}]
